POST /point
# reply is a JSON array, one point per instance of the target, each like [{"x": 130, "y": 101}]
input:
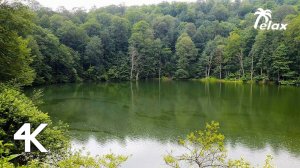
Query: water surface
[{"x": 145, "y": 119}]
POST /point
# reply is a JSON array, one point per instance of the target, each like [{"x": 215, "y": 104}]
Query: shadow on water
[{"x": 255, "y": 116}]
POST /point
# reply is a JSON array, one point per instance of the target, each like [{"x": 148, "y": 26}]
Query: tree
[
  {"x": 73, "y": 37},
  {"x": 60, "y": 63},
  {"x": 119, "y": 31},
  {"x": 94, "y": 52},
  {"x": 165, "y": 29},
  {"x": 207, "y": 57},
  {"x": 206, "y": 148},
  {"x": 186, "y": 53},
  {"x": 280, "y": 65},
  {"x": 258, "y": 54},
  {"x": 144, "y": 59},
  {"x": 282, "y": 11},
  {"x": 15, "y": 56},
  {"x": 93, "y": 57},
  {"x": 220, "y": 12},
  {"x": 292, "y": 42},
  {"x": 234, "y": 52},
  {"x": 91, "y": 27},
  {"x": 190, "y": 29}
]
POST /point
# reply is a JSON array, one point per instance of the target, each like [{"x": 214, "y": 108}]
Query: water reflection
[{"x": 255, "y": 119}]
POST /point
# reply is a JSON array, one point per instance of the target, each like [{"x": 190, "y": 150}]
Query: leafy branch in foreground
[
  {"x": 77, "y": 160},
  {"x": 206, "y": 149}
]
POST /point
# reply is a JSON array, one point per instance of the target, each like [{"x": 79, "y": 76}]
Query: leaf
[{"x": 11, "y": 157}]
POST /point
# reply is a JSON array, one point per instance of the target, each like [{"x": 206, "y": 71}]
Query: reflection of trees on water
[{"x": 249, "y": 114}]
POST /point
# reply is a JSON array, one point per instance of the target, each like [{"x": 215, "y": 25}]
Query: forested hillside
[{"x": 213, "y": 38}]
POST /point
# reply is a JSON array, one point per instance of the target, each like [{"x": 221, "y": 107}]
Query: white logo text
[
  {"x": 268, "y": 24},
  {"x": 28, "y": 138}
]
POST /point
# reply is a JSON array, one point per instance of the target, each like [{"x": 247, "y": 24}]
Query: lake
[{"x": 145, "y": 119}]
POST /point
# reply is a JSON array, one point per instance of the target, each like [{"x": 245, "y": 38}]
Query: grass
[{"x": 215, "y": 80}]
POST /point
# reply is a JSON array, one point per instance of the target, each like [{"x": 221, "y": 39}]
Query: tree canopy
[{"x": 178, "y": 40}]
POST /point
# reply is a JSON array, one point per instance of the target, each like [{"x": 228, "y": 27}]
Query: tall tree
[
  {"x": 15, "y": 56},
  {"x": 280, "y": 65},
  {"x": 234, "y": 51},
  {"x": 186, "y": 53},
  {"x": 292, "y": 42},
  {"x": 144, "y": 59}
]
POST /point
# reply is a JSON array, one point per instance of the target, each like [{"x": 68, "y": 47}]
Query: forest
[
  {"x": 212, "y": 38},
  {"x": 204, "y": 40}
]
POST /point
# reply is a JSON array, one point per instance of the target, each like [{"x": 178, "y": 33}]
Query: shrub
[
  {"x": 15, "y": 110},
  {"x": 206, "y": 149},
  {"x": 181, "y": 74}
]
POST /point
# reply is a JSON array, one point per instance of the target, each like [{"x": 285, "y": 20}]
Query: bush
[
  {"x": 181, "y": 74},
  {"x": 206, "y": 149},
  {"x": 76, "y": 160},
  {"x": 15, "y": 110}
]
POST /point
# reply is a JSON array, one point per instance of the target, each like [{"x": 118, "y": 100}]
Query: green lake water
[{"x": 145, "y": 119}]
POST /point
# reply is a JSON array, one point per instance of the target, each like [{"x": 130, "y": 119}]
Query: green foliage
[
  {"x": 36, "y": 97},
  {"x": 15, "y": 22},
  {"x": 144, "y": 51},
  {"x": 186, "y": 53},
  {"x": 77, "y": 160},
  {"x": 94, "y": 58},
  {"x": 206, "y": 149},
  {"x": 15, "y": 110},
  {"x": 280, "y": 65},
  {"x": 178, "y": 40}
]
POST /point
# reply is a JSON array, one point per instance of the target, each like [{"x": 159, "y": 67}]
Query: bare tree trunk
[
  {"x": 220, "y": 71},
  {"x": 133, "y": 54},
  {"x": 208, "y": 71},
  {"x": 240, "y": 55},
  {"x": 209, "y": 65},
  {"x": 159, "y": 73},
  {"x": 159, "y": 70},
  {"x": 137, "y": 76},
  {"x": 252, "y": 69},
  {"x": 132, "y": 64}
]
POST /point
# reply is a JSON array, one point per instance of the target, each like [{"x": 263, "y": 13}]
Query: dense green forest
[{"x": 212, "y": 38}]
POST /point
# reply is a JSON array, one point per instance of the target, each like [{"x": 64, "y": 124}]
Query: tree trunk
[
  {"x": 240, "y": 55},
  {"x": 159, "y": 70},
  {"x": 137, "y": 76},
  {"x": 209, "y": 66},
  {"x": 133, "y": 55},
  {"x": 252, "y": 70},
  {"x": 132, "y": 65},
  {"x": 220, "y": 71},
  {"x": 131, "y": 71}
]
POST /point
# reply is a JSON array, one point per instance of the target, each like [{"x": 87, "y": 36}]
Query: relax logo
[{"x": 267, "y": 25}]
